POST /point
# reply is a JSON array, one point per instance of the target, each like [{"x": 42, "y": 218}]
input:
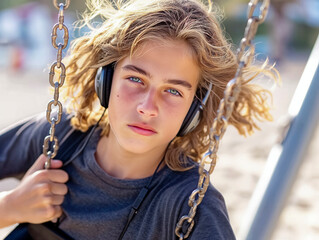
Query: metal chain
[
  {"x": 245, "y": 55},
  {"x": 51, "y": 143}
]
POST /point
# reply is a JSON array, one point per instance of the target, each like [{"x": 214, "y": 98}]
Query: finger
[
  {"x": 55, "y": 220},
  {"x": 52, "y": 200},
  {"x": 50, "y": 176},
  {"x": 47, "y": 214},
  {"x": 56, "y": 163},
  {"x": 57, "y": 200},
  {"x": 59, "y": 189},
  {"x": 57, "y": 175},
  {"x": 38, "y": 164},
  {"x": 57, "y": 212}
]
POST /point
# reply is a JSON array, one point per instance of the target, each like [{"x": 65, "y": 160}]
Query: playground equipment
[{"x": 286, "y": 157}]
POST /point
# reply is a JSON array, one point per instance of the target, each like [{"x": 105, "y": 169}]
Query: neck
[{"x": 127, "y": 165}]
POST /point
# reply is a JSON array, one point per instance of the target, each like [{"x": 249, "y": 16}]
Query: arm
[
  {"x": 38, "y": 197},
  {"x": 40, "y": 193},
  {"x": 20, "y": 146}
]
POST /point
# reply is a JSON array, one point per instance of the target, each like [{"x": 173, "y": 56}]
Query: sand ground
[{"x": 241, "y": 160}]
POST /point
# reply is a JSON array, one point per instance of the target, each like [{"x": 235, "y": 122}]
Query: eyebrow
[
  {"x": 180, "y": 82},
  {"x": 136, "y": 69},
  {"x": 143, "y": 72}
]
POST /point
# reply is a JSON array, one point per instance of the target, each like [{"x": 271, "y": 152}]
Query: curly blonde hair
[{"x": 128, "y": 24}]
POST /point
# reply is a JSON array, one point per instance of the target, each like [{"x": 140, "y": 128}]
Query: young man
[{"x": 160, "y": 63}]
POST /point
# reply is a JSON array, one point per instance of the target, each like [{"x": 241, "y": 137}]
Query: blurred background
[{"x": 286, "y": 38}]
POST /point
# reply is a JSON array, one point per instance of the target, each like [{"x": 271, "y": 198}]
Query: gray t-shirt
[{"x": 97, "y": 205}]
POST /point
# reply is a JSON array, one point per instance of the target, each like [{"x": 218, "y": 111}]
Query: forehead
[
  {"x": 154, "y": 44},
  {"x": 169, "y": 58}
]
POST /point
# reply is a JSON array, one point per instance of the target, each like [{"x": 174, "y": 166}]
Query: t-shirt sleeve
[
  {"x": 21, "y": 144},
  {"x": 211, "y": 219}
]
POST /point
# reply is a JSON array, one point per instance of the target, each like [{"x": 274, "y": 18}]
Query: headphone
[{"x": 103, "y": 84}]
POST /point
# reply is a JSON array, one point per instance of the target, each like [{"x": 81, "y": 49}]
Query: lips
[{"x": 142, "y": 129}]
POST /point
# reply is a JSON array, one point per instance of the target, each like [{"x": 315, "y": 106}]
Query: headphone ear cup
[
  {"x": 109, "y": 71},
  {"x": 99, "y": 85},
  {"x": 192, "y": 118},
  {"x": 103, "y": 83},
  {"x": 194, "y": 113}
]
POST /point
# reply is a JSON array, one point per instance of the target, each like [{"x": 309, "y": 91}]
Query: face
[{"x": 150, "y": 96}]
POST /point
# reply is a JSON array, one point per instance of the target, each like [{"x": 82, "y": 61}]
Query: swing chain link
[
  {"x": 51, "y": 143},
  {"x": 65, "y": 5},
  {"x": 245, "y": 54}
]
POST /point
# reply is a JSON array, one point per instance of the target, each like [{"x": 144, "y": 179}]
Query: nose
[{"x": 148, "y": 107}]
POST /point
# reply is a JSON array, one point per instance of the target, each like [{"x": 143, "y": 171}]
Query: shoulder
[
  {"x": 27, "y": 137},
  {"x": 184, "y": 183},
  {"x": 211, "y": 219},
  {"x": 37, "y": 125}
]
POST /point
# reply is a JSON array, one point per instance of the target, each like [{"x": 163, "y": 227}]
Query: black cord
[
  {"x": 138, "y": 201},
  {"x": 87, "y": 140}
]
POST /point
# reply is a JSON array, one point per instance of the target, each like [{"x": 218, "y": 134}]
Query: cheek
[
  {"x": 177, "y": 107},
  {"x": 120, "y": 97},
  {"x": 125, "y": 93},
  {"x": 122, "y": 102},
  {"x": 175, "y": 113}
]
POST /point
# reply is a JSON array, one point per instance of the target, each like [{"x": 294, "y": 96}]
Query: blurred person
[
  {"x": 281, "y": 29},
  {"x": 159, "y": 68},
  {"x": 25, "y": 30}
]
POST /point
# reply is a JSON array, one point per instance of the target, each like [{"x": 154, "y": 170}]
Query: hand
[{"x": 41, "y": 192}]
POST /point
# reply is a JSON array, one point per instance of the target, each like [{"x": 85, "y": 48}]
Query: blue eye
[
  {"x": 135, "y": 79},
  {"x": 174, "y": 92}
]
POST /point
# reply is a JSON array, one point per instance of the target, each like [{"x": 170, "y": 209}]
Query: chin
[{"x": 141, "y": 147}]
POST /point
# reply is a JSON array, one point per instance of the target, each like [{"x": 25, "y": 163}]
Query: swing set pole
[{"x": 285, "y": 158}]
